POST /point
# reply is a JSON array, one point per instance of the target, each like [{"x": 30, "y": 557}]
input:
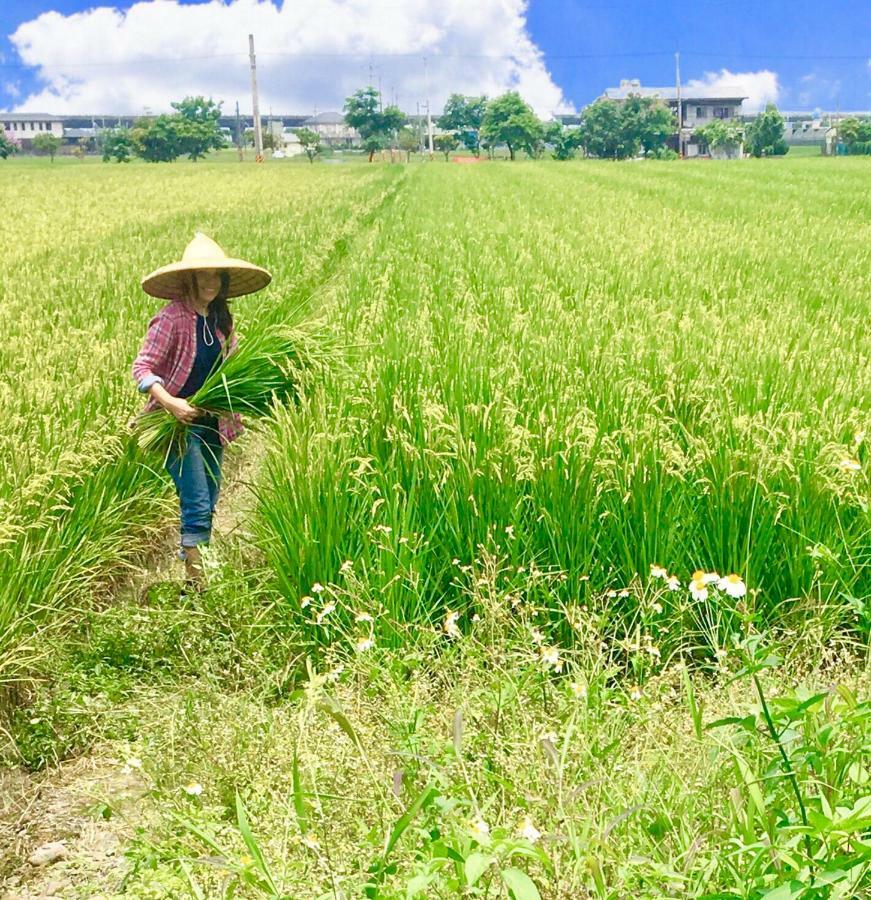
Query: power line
[{"x": 771, "y": 57}]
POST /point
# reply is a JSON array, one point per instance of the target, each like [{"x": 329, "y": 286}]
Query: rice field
[
  {"x": 77, "y": 502},
  {"x": 555, "y": 583},
  {"x": 591, "y": 371}
]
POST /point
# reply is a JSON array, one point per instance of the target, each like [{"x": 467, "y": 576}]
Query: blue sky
[{"x": 803, "y": 54}]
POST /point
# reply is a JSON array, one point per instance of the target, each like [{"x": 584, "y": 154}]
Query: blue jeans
[{"x": 197, "y": 477}]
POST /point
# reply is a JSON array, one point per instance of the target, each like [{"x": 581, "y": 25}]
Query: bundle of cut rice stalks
[{"x": 268, "y": 367}]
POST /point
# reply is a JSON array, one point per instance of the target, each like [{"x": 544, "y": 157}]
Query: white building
[
  {"x": 332, "y": 128},
  {"x": 24, "y": 127},
  {"x": 289, "y": 143},
  {"x": 699, "y": 105}
]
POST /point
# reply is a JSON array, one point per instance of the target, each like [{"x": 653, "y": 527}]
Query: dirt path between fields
[{"x": 63, "y": 830}]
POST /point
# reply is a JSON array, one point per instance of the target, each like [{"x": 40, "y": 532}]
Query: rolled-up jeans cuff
[{"x": 195, "y": 538}]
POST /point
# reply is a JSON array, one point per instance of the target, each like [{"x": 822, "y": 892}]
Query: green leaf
[
  {"x": 251, "y": 843},
  {"x": 299, "y": 804},
  {"x": 522, "y": 887},
  {"x": 423, "y": 799},
  {"x": 334, "y": 711},
  {"x": 475, "y": 865},
  {"x": 785, "y": 891}
]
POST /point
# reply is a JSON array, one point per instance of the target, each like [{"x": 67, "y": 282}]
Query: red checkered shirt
[{"x": 167, "y": 357}]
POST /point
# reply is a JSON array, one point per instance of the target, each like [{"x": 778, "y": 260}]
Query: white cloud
[
  {"x": 817, "y": 90},
  {"x": 309, "y": 53},
  {"x": 758, "y": 87}
]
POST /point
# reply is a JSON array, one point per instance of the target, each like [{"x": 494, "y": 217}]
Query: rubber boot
[{"x": 193, "y": 567}]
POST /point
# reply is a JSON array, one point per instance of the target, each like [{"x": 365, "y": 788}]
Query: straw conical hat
[{"x": 202, "y": 252}]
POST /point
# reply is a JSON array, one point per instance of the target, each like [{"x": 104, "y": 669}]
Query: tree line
[{"x": 608, "y": 129}]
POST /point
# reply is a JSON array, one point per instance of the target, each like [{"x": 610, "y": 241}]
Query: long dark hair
[{"x": 219, "y": 309}]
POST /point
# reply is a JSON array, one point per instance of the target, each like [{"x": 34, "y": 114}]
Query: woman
[{"x": 186, "y": 340}]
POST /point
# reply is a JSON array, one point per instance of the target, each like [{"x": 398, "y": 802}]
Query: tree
[
  {"x": 270, "y": 142},
  {"x": 444, "y": 143},
  {"x": 563, "y": 140},
  {"x": 647, "y": 121},
  {"x": 47, "y": 143},
  {"x": 853, "y": 130},
  {"x": 409, "y": 142},
  {"x": 310, "y": 141},
  {"x": 602, "y": 133},
  {"x": 765, "y": 134},
  {"x": 719, "y": 133},
  {"x": 510, "y": 120},
  {"x": 197, "y": 126},
  {"x": 118, "y": 145},
  {"x": 8, "y": 145},
  {"x": 463, "y": 116},
  {"x": 377, "y": 127},
  {"x": 158, "y": 139}
]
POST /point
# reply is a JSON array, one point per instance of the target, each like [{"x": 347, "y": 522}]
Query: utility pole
[
  {"x": 428, "y": 116},
  {"x": 258, "y": 133},
  {"x": 679, "y": 105},
  {"x": 419, "y": 129},
  {"x": 239, "y": 133}
]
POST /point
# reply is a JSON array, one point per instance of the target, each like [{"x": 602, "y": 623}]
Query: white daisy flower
[
  {"x": 657, "y": 571},
  {"x": 317, "y": 588},
  {"x": 578, "y": 689},
  {"x": 673, "y": 582},
  {"x": 851, "y": 465},
  {"x": 311, "y": 841},
  {"x": 306, "y": 601},
  {"x": 528, "y": 830},
  {"x": 699, "y": 589},
  {"x": 363, "y": 617},
  {"x": 450, "y": 627},
  {"x": 364, "y": 644},
  {"x": 733, "y": 585},
  {"x": 325, "y": 612},
  {"x": 550, "y": 658},
  {"x": 480, "y": 829},
  {"x": 193, "y": 790}
]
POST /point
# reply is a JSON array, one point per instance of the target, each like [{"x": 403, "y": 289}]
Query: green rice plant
[
  {"x": 603, "y": 368},
  {"x": 79, "y": 507}
]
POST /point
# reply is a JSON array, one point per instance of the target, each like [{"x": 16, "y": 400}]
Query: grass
[{"x": 437, "y": 659}]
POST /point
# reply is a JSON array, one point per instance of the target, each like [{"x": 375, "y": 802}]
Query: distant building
[
  {"x": 332, "y": 128},
  {"x": 699, "y": 105},
  {"x": 24, "y": 127}
]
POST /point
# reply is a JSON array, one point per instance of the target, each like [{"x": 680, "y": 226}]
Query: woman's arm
[
  {"x": 155, "y": 348},
  {"x": 153, "y": 353},
  {"x": 178, "y": 406}
]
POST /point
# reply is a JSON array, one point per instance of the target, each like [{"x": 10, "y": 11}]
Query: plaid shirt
[{"x": 167, "y": 358}]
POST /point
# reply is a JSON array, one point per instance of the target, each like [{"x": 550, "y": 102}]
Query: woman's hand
[
  {"x": 181, "y": 409},
  {"x": 177, "y": 406}
]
